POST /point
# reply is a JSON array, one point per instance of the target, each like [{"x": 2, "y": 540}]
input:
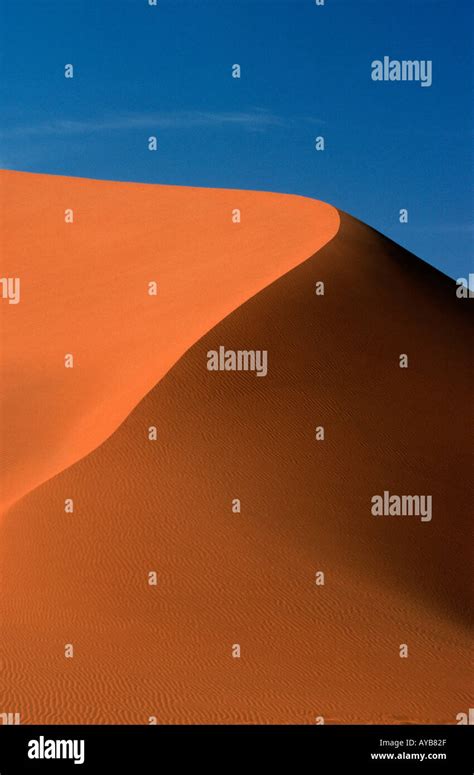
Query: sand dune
[
  {"x": 248, "y": 578},
  {"x": 84, "y": 291}
]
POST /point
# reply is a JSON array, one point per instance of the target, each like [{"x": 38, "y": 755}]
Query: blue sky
[{"x": 306, "y": 71}]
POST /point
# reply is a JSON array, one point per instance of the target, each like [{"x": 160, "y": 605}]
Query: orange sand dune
[
  {"x": 84, "y": 291},
  {"x": 248, "y": 578}
]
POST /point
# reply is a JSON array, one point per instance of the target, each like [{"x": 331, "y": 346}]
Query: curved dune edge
[
  {"x": 84, "y": 291},
  {"x": 248, "y": 578}
]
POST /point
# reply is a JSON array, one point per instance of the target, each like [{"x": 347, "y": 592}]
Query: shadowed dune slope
[
  {"x": 84, "y": 292},
  {"x": 248, "y": 578}
]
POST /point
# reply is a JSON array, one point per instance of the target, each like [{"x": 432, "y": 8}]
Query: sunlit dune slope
[{"x": 85, "y": 292}]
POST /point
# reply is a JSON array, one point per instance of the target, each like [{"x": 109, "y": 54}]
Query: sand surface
[{"x": 84, "y": 292}]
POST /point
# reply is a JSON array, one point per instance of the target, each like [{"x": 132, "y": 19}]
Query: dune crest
[{"x": 85, "y": 252}]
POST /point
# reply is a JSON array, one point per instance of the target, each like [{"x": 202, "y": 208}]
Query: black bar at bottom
[{"x": 305, "y": 749}]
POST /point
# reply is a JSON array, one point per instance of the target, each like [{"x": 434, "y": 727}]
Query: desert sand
[
  {"x": 84, "y": 292},
  {"x": 248, "y": 578}
]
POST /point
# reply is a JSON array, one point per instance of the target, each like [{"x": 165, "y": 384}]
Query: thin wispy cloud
[{"x": 253, "y": 120}]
